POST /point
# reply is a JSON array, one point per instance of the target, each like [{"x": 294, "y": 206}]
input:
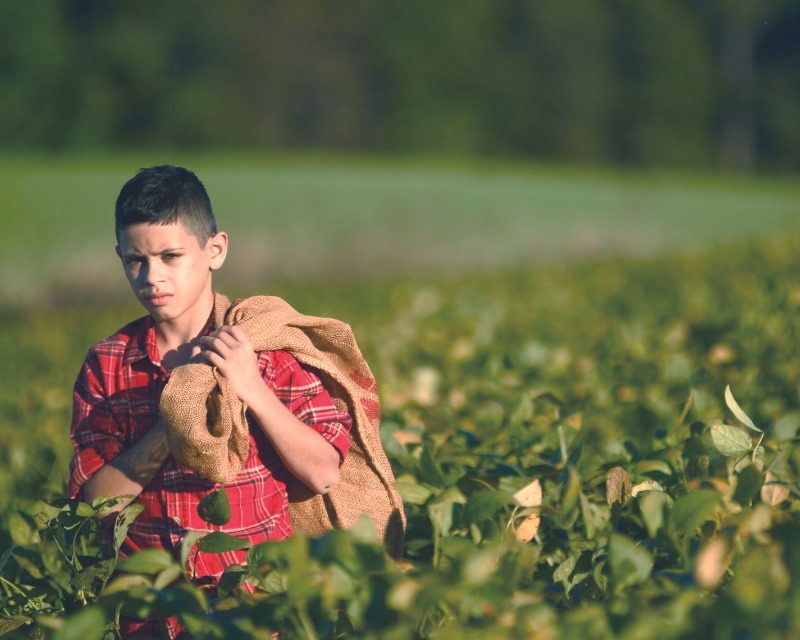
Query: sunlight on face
[{"x": 169, "y": 272}]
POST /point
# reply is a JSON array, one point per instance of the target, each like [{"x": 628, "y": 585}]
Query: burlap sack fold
[{"x": 207, "y": 429}]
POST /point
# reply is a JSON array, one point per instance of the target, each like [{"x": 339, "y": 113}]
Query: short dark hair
[{"x": 166, "y": 195}]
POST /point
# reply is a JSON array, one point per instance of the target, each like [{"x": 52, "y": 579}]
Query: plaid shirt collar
[{"x": 144, "y": 345}]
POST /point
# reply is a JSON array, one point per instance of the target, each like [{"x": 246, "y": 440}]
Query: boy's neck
[{"x": 177, "y": 337}]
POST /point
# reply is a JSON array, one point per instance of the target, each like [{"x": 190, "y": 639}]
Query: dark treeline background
[{"x": 708, "y": 83}]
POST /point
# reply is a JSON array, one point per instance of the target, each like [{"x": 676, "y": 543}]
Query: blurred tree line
[{"x": 673, "y": 82}]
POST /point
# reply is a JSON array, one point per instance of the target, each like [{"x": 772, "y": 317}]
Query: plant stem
[
  {"x": 197, "y": 552},
  {"x": 76, "y": 565},
  {"x": 15, "y": 588},
  {"x": 305, "y": 620}
]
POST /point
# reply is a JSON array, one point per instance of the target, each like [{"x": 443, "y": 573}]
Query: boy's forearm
[
  {"x": 306, "y": 454},
  {"x": 130, "y": 472}
]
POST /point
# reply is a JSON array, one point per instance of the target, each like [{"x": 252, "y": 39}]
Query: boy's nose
[{"x": 151, "y": 274}]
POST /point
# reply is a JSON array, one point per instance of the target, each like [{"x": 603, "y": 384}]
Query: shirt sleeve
[
  {"x": 300, "y": 389},
  {"x": 96, "y": 435}
]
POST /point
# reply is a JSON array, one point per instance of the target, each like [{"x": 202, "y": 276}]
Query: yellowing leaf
[
  {"x": 647, "y": 485},
  {"x": 773, "y": 494},
  {"x": 737, "y": 410},
  {"x": 710, "y": 564},
  {"x": 530, "y": 495}
]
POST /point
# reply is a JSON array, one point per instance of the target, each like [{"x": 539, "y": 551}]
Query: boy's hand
[{"x": 229, "y": 350}]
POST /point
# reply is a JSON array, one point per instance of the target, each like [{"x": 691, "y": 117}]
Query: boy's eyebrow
[{"x": 136, "y": 254}]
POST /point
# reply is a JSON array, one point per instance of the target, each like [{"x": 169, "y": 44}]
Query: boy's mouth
[{"x": 159, "y": 299}]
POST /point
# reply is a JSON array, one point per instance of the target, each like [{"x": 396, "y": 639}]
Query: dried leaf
[
  {"x": 530, "y": 495},
  {"x": 527, "y": 530},
  {"x": 9, "y": 624},
  {"x": 773, "y": 494},
  {"x": 618, "y": 486}
]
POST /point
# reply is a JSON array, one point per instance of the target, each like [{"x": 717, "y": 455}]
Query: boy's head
[
  {"x": 168, "y": 242},
  {"x": 165, "y": 195}
]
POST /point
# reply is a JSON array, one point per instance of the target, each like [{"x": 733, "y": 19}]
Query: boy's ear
[{"x": 217, "y": 247}]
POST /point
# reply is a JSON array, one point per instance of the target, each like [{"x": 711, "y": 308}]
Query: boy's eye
[{"x": 171, "y": 256}]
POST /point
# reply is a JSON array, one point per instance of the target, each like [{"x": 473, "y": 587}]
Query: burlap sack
[{"x": 207, "y": 429}]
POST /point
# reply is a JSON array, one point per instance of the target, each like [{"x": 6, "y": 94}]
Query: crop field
[
  {"x": 296, "y": 219},
  {"x": 604, "y": 449}
]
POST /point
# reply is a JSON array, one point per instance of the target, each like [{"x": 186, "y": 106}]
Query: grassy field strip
[{"x": 309, "y": 221}]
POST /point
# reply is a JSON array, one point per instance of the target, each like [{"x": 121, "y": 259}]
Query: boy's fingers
[
  {"x": 216, "y": 344},
  {"x": 232, "y": 335},
  {"x": 241, "y": 336},
  {"x": 213, "y": 358}
]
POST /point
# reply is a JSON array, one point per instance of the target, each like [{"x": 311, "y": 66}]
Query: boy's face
[{"x": 169, "y": 272}]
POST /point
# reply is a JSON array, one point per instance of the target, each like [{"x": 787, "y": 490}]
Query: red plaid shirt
[{"x": 116, "y": 402}]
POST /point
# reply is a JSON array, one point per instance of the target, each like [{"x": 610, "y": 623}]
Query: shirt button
[
  {"x": 170, "y": 464},
  {"x": 176, "y": 520}
]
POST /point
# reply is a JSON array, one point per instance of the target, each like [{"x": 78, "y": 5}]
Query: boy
[{"x": 169, "y": 247}]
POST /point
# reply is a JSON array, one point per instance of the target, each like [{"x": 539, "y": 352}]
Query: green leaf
[
  {"x": 729, "y": 440},
  {"x": 149, "y": 561},
  {"x": 630, "y": 563},
  {"x": 599, "y": 575},
  {"x": 58, "y": 503},
  {"x": 747, "y": 459},
  {"x": 104, "y": 504},
  {"x": 102, "y": 570},
  {"x": 574, "y": 570},
  {"x": 440, "y": 511},
  {"x": 84, "y": 510},
  {"x": 4, "y": 558},
  {"x": 523, "y": 412},
  {"x": 653, "y": 466},
  {"x": 187, "y": 545},
  {"x": 124, "y": 520},
  {"x": 572, "y": 490},
  {"x": 595, "y": 516},
  {"x": 167, "y": 577},
  {"x": 482, "y": 506},
  {"x": 87, "y": 624},
  {"x": 651, "y": 506},
  {"x": 18, "y": 528},
  {"x": 124, "y": 583},
  {"x": 230, "y": 579},
  {"x": 697, "y": 467},
  {"x": 786, "y": 428},
  {"x": 412, "y": 493},
  {"x": 220, "y": 542},
  {"x": 737, "y": 411},
  {"x": 215, "y": 508},
  {"x": 693, "y": 509},
  {"x": 429, "y": 468},
  {"x": 748, "y": 485},
  {"x": 187, "y": 598}
]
